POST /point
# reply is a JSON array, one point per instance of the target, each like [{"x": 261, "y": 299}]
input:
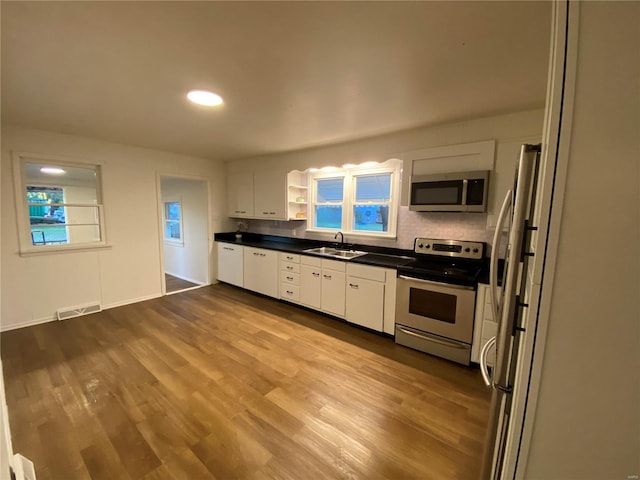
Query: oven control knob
[
  {"x": 427, "y": 246},
  {"x": 475, "y": 250},
  {"x": 420, "y": 245},
  {"x": 467, "y": 249}
]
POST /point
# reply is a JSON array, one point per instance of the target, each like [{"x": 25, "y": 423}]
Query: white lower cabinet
[
  {"x": 261, "y": 271},
  {"x": 370, "y": 297},
  {"x": 485, "y": 325},
  {"x": 365, "y": 303},
  {"x": 290, "y": 277},
  {"x": 230, "y": 264},
  {"x": 364, "y": 295},
  {"x": 333, "y": 282},
  {"x": 310, "y": 282}
]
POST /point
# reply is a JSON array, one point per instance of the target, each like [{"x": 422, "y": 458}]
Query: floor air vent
[{"x": 77, "y": 311}]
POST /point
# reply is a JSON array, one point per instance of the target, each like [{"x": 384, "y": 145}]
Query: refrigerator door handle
[
  {"x": 484, "y": 368},
  {"x": 493, "y": 265}
]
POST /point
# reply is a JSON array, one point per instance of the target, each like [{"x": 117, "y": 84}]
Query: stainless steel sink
[{"x": 335, "y": 252}]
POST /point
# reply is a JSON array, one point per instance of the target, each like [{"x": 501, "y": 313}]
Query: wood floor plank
[{"x": 220, "y": 383}]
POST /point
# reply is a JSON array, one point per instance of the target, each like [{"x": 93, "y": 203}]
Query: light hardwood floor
[{"x": 221, "y": 383}]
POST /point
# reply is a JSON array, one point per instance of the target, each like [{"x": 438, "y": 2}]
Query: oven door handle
[
  {"x": 437, "y": 284},
  {"x": 449, "y": 343}
]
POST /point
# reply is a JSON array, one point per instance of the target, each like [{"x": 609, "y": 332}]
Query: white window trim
[
  {"x": 348, "y": 200},
  {"x": 22, "y": 211},
  {"x": 171, "y": 241}
]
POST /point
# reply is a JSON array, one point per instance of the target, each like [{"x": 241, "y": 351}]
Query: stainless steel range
[{"x": 436, "y": 298}]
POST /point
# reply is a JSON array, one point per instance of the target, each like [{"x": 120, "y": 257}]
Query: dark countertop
[{"x": 376, "y": 256}]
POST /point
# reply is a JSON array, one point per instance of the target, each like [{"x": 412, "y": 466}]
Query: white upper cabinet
[
  {"x": 270, "y": 195},
  {"x": 257, "y": 195},
  {"x": 240, "y": 195}
]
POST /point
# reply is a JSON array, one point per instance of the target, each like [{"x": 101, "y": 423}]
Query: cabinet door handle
[
  {"x": 265, "y": 213},
  {"x": 288, "y": 258},
  {"x": 228, "y": 248},
  {"x": 315, "y": 274},
  {"x": 289, "y": 268},
  {"x": 289, "y": 278},
  {"x": 289, "y": 292},
  {"x": 353, "y": 285},
  {"x": 272, "y": 213},
  {"x": 328, "y": 277}
]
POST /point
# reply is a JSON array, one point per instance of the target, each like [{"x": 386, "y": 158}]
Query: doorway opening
[{"x": 184, "y": 213}]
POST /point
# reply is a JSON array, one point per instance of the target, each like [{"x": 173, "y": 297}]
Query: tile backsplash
[{"x": 457, "y": 226}]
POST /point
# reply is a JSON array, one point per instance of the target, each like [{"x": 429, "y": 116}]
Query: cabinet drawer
[
  {"x": 289, "y": 257},
  {"x": 336, "y": 265},
  {"x": 290, "y": 292},
  {"x": 311, "y": 261},
  {"x": 290, "y": 267},
  {"x": 376, "y": 274},
  {"x": 288, "y": 277}
]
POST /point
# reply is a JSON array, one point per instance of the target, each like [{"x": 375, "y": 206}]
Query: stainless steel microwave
[{"x": 450, "y": 192}]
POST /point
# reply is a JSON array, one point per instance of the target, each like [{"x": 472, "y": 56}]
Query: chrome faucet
[{"x": 341, "y": 238}]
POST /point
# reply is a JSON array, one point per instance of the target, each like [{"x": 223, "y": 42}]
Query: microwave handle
[{"x": 465, "y": 184}]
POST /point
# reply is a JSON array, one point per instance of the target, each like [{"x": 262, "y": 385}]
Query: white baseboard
[
  {"x": 38, "y": 321},
  {"x": 187, "y": 279},
  {"x": 133, "y": 300},
  {"x": 27, "y": 323}
]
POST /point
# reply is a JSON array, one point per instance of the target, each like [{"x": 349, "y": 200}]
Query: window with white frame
[
  {"x": 58, "y": 203},
  {"x": 173, "y": 222},
  {"x": 355, "y": 200}
]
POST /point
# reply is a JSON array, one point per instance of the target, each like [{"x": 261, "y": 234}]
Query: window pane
[
  {"x": 76, "y": 215},
  {"x": 173, "y": 210},
  {"x": 80, "y": 183},
  {"x": 52, "y": 234},
  {"x": 328, "y": 216},
  {"x": 371, "y": 218},
  {"x": 329, "y": 190},
  {"x": 373, "y": 188},
  {"x": 48, "y": 234},
  {"x": 172, "y": 230}
]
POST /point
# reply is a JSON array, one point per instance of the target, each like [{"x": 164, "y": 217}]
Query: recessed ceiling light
[
  {"x": 52, "y": 170},
  {"x": 203, "y": 97}
]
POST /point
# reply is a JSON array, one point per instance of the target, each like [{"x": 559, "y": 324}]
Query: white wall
[
  {"x": 509, "y": 131},
  {"x": 126, "y": 272},
  {"x": 587, "y": 424},
  {"x": 189, "y": 260}
]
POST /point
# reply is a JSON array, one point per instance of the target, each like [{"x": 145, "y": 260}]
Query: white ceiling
[{"x": 293, "y": 74}]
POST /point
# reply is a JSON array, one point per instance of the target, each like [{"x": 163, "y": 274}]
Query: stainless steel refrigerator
[{"x": 510, "y": 298}]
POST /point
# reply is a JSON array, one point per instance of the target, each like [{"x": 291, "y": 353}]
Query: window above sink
[{"x": 357, "y": 200}]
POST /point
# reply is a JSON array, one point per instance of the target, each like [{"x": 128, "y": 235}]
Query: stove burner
[{"x": 458, "y": 263}]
